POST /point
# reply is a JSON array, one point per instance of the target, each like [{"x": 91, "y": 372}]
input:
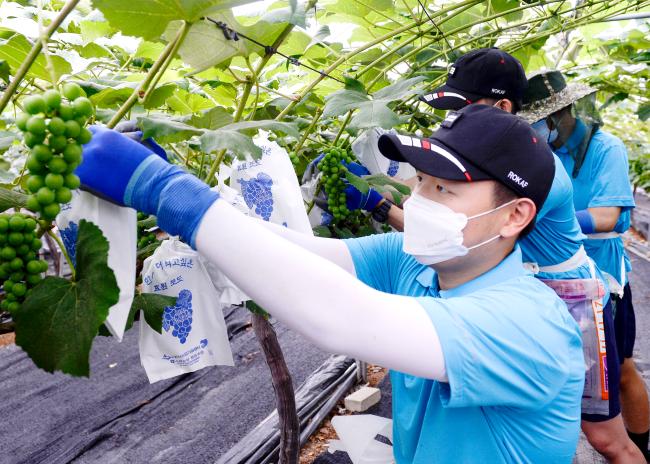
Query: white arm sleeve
[
  {"x": 318, "y": 298},
  {"x": 329, "y": 248}
]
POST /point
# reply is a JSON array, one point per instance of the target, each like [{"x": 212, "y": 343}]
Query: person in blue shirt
[
  {"x": 603, "y": 200},
  {"x": 553, "y": 247},
  {"x": 486, "y": 361}
]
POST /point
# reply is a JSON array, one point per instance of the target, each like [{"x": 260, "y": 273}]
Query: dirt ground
[{"x": 319, "y": 441}]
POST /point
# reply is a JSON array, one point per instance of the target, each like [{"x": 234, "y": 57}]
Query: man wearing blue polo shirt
[
  {"x": 603, "y": 199},
  {"x": 474, "y": 343},
  {"x": 553, "y": 246}
]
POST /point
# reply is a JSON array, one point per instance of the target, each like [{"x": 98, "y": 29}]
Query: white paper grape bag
[
  {"x": 270, "y": 187},
  {"x": 366, "y": 149},
  {"x": 194, "y": 332},
  {"x": 119, "y": 226}
]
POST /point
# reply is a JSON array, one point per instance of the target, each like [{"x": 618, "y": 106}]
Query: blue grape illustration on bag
[
  {"x": 69, "y": 237},
  {"x": 179, "y": 317},
  {"x": 393, "y": 167},
  {"x": 257, "y": 192}
]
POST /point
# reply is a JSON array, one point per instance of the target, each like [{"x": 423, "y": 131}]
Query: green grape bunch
[
  {"x": 20, "y": 267},
  {"x": 333, "y": 181},
  {"x": 53, "y": 127},
  {"x": 144, "y": 238}
]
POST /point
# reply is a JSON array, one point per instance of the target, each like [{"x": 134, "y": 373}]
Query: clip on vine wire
[
  {"x": 228, "y": 33},
  {"x": 231, "y": 34}
]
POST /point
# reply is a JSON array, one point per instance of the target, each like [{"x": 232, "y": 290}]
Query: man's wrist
[
  {"x": 178, "y": 199},
  {"x": 184, "y": 201},
  {"x": 374, "y": 199},
  {"x": 380, "y": 212}
]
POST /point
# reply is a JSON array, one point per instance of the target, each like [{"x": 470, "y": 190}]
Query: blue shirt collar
[{"x": 511, "y": 266}]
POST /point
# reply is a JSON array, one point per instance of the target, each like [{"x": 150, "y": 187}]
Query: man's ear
[
  {"x": 506, "y": 105},
  {"x": 520, "y": 216}
]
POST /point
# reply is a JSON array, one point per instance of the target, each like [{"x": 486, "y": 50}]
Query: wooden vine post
[{"x": 282, "y": 384}]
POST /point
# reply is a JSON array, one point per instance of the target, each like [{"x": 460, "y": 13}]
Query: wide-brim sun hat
[{"x": 548, "y": 92}]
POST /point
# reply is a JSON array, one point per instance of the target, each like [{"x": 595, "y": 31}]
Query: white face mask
[{"x": 433, "y": 232}]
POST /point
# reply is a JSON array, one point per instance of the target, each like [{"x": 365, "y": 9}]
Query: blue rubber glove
[
  {"x": 127, "y": 173},
  {"x": 152, "y": 145},
  {"x": 131, "y": 130},
  {"x": 354, "y": 198},
  {"x": 357, "y": 200},
  {"x": 586, "y": 221},
  {"x": 356, "y": 168}
]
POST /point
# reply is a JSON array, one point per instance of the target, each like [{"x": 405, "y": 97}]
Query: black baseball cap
[
  {"x": 480, "y": 142},
  {"x": 482, "y": 73}
]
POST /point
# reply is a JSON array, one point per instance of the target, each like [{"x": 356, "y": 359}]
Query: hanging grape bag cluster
[
  {"x": 54, "y": 129},
  {"x": 20, "y": 268}
]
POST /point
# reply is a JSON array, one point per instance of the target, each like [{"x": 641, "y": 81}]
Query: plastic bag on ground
[
  {"x": 119, "y": 226},
  {"x": 194, "y": 333},
  {"x": 269, "y": 186},
  {"x": 357, "y": 438}
]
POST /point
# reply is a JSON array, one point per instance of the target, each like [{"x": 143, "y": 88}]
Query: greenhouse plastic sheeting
[
  {"x": 116, "y": 416},
  {"x": 314, "y": 400}
]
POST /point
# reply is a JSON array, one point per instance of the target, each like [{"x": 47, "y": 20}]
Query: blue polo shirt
[
  {"x": 557, "y": 235},
  {"x": 602, "y": 181},
  {"x": 513, "y": 356}
]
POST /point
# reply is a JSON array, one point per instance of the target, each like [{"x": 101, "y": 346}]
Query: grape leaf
[
  {"x": 153, "y": 306},
  {"x": 343, "y": 101},
  {"x": 160, "y": 95},
  {"x": 229, "y": 138},
  {"x": 322, "y": 231},
  {"x": 353, "y": 84},
  {"x": 4, "y": 71},
  {"x": 166, "y": 130},
  {"x": 184, "y": 102},
  {"x": 7, "y": 139},
  {"x": 266, "y": 124},
  {"x": 93, "y": 30},
  {"x": 375, "y": 114},
  {"x": 111, "y": 97},
  {"x": 380, "y": 180},
  {"x": 58, "y": 321},
  {"x": 358, "y": 183},
  {"x": 213, "y": 118},
  {"x": 205, "y": 45},
  {"x": 15, "y": 50},
  {"x": 374, "y": 111},
  {"x": 149, "y": 19},
  {"x": 11, "y": 199},
  {"x": 399, "y": 90},
  {"x": 290, "y": 15},
  {"x": 223, "y": 139}
]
